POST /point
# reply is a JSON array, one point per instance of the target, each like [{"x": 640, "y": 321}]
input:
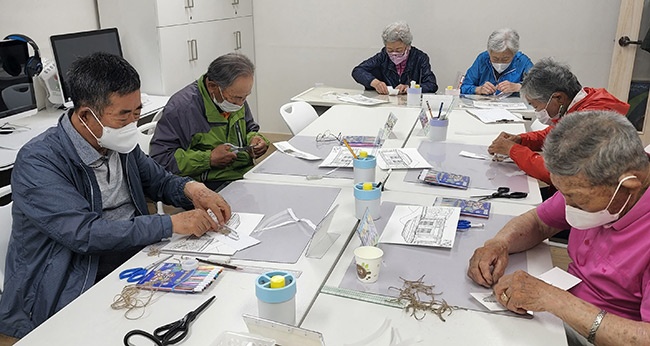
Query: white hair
[
  {"x": 398, "y": 31},
  {"x": 503, "y": 39}
]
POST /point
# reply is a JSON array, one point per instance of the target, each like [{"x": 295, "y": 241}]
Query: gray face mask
[{"x": 225, "y": 106}]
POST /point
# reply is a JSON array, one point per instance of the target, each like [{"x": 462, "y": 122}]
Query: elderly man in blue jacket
[{"x": 79, "y": 208}]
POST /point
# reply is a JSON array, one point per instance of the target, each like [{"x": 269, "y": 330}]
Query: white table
[
  {"x": 349, "y": 120},
  {"x": 90, "y": 320},
  {"x": 326, "y": 96},
  {"x": 467, "y": 129},
  {"x": 343, "y": 320}
]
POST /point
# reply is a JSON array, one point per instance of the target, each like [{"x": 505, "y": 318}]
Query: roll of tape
[{"x": 189, "y": 264}]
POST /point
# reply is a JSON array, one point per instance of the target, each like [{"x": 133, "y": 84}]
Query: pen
[
  {"x": 225, "y": 265},
  {"x": 440, "y": 110},
  {"x": 429, "y": 106},
  {"x": 505, "y": 121},
  {"x": 345, "y": 141}
]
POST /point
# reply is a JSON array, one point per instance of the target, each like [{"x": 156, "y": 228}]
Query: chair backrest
[
  {"x": 145, "y": 134},
  {"x": 5, "y": 233},
  {"x": 297, "y": 115},
  {"x": 157, "y": 116}
]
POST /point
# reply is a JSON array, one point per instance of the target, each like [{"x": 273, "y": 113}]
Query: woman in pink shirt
[{"x": 597, "y": 162}]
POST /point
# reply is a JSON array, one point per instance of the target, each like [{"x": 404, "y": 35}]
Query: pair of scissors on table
[
  {"x": 136, "y": 274},
  {"x": 171, "y": 333},
  {"x": 502, "y": 192}
]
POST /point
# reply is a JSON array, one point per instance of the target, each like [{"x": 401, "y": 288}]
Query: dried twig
[{"x": 411, "y": 293}]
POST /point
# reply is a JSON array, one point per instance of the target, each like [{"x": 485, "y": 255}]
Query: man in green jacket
[{"x": 207, "y": 130}]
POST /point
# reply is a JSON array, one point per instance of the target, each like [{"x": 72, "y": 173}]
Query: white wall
[
  {"x": 40, "y": 19},
  {"x": 302, "y": 42}
]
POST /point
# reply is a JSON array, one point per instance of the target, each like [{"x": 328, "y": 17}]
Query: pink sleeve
[{"x": 552, "y": 212}]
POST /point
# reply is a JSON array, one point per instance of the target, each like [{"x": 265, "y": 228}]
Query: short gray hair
[
  {"x": 602, "y": 145},
  {"x": 503, "y": 39},
  {"x": 398, "y": 31},
  {"x": 547, "y": 77},
  {"x": 226, "y": 68}
]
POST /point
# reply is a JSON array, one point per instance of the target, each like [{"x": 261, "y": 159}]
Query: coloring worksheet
[
  {"x": 341, "y": 157},
  {"x": 420, "y": 225},
  {"x": 401, "y": 158}
]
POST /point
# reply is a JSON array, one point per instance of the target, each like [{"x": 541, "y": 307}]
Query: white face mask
[
  {"x": 122, "y": 140},
  {"x": 500, "y": 67},
  {"x": 226, "y": 106},
  {"x": 543, "y": 115},
  {"x": 581, "y": 219}
]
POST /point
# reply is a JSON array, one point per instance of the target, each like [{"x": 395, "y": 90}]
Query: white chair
[
  {"x": 297, "y": 115},
  {"x": 5, "y": 233},
  {"x": 157, "y": 116},
  {"x": 145, "y": 134}
]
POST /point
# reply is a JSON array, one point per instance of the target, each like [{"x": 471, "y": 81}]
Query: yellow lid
[
  {"x": 363, "y": 154},
  {"x": 367, "y": 186},
  {"x": 449, "y": 87},
  {"x": 277, "y": 281},
  {"x": 417, "y": 85}
]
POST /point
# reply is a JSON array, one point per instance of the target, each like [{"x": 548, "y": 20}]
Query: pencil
[
  {"x": 440, "y": 110},
  {"x": 225, "y": 265},
  {"x": 430, "y": 112},
  {"x": 345, "y": 141}
]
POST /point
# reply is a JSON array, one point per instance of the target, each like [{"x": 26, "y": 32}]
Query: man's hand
[
  {"x": 520, "y": 292},
  {"x": 195, "y": 222},
  {"x": 259, "y": 146},
  {"x": 488, "y": 263},
  {"x": 485, "y": 89},
  {"x": 204, "y": 198},
  {"x": 508, "y": 87},
  {"x": 379, "y": 86},
  {"x": 221, "y": 156}
]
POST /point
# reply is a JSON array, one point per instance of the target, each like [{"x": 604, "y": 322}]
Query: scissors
[
  {"x": 502, "y": 192},
  {"x": 171, "y": 333},
  {"x": 136, "y": 274},
  {"x": 235, "y": 149}
]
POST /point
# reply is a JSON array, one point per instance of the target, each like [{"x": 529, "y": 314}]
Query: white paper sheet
[
  {"x": 361, "y": 100},
  {"x": 217, "y": 243},
  {"x": 419, "y": 225},
  {"x": 472, "y": 155},
  {"x": 401, "y": 158},
  {"x": 499, "y": 105},
  {"x": 290, "y": 150},
  {"x": 492, "y": 116},
  {"x": 341, "y": 157}
]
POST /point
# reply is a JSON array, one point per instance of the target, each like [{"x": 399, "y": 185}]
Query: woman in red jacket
[{"x": 554, "y": 92}]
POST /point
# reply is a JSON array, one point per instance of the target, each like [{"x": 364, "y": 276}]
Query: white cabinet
[{"x": 172, "y": 42}]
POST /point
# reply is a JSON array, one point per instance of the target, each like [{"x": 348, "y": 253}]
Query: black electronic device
[
  {"x": 69, "y": 47},
  {"x": 34, "y": 65},
  {"x": 17, "y": 98}
]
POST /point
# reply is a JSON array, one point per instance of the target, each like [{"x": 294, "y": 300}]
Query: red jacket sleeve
[
  {"x": 535, "y": 139},
  {"x": 530, "y": 162}
]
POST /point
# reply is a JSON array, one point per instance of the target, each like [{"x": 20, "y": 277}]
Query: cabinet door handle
[
  {"x": 237, "y": 40},
  {"x": 195, "y": 47},
  {"x": 193, "y": 50},
  {"x": 189, "y": 3}
]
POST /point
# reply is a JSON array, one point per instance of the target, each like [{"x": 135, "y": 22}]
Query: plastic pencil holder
[
  {"x": 414, "y": 97},
  {"x": 438, "y": 129},
  {"x": 367, "y": 196},
  {"x": 276, "y": 297},
  {"x": 364, "y": 169}
]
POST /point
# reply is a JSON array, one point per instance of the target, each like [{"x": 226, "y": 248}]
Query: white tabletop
[
  {"x": 467, "y": 129},
  {"x": 349, "y": 120},
  {"x": 344, "y": 320},
  {"x": 97, "y": 324}
]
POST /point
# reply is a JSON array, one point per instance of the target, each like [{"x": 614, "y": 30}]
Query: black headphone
[{"x": 34, "y": 66}]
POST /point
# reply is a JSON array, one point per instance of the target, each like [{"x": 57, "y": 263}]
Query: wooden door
[{"x": 620, "y": 73}]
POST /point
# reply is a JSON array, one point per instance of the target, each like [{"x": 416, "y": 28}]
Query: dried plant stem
[{"x": 420, "y": 297}]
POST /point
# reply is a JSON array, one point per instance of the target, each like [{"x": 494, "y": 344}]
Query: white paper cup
[{"x": 368, "y": 260}]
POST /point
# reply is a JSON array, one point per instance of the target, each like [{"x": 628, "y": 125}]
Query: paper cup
[{"x": 368, "y": 260}]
